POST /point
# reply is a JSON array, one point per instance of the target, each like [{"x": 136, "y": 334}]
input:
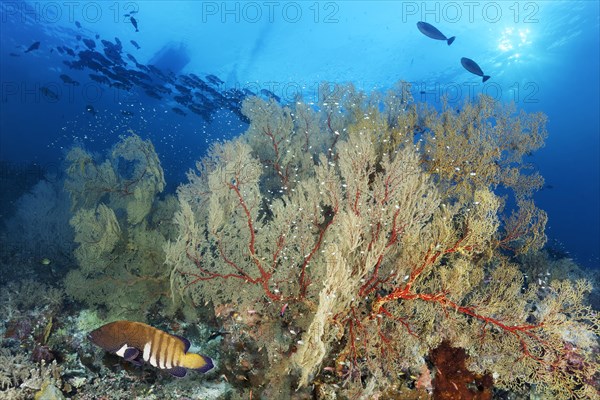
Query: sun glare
[
  {"x": 512, "y": 38},
  {"x": 513, "y": 41}
]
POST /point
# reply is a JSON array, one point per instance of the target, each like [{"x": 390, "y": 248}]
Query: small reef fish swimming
[
  {"x": 179, "y": 111},
  {"x": 135, "y": 341},
  {"x": 34, "y": 46},
  {"x": 68, "y": 80},
  {"x": 473, "y": 68},
  {"x": 433, "y": 32},
  {"x": 107, "y": 63},
  {"x": 134, "y": 23},
  {"x": 89, "y": 43},
  {"x": 214, "y": 80},
  {"x": 49, "y": 93}
]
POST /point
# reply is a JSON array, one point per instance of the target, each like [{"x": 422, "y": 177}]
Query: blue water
[{"x": 544, "y": 56}]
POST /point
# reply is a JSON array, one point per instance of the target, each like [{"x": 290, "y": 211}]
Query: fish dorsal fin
[{"x": 186, "y": 343}]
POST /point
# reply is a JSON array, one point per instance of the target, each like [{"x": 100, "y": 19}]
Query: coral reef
[
  {"x": 38, "y": 321},
  {"x": 129, "y": 178},
  {"x": 452, "y": 378},
  {"x": 21, "y": 379},
  {"x": 119, "y": 239},
  {"x": 28, "y": 360},
  {"x": 352, "y": 248},
  {"x": 482, "y": 145},
  {"x": 363, "y": 231}
]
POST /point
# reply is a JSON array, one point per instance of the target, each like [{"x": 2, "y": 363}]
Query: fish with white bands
[
  {"x": 121, "y": 351},
  {"x": 135, "y": 341},
  {"x": 146, "y": 355}
]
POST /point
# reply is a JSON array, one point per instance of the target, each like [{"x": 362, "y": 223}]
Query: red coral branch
[
  {"x": 304, "y": 281},
  {"x": 374, "y": 280},
  {"x": 275, "y": 143},
  {"x": 522, "y": 332},
  {"x": 335, "y": 134},
  {"x": 263, "y": 276},
  {"x": 516, "y": 231}
]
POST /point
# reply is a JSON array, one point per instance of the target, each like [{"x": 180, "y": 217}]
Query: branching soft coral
[
  {"x": 482, "y": 145},
  {"x": 379, "y": 248},
  {"x": 129, "y": 178},
  {"x": 119, "y": 247}
]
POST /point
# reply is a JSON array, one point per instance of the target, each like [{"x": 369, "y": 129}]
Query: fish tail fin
[
  {"x": 198, "y": 362},
  {"x": 451, "y": 40},
  {"x": 207, "y": 366},
  {"x": 486, "y": 77}
]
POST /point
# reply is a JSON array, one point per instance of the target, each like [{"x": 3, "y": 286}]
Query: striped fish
[{"x": 135, "y": 341}]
